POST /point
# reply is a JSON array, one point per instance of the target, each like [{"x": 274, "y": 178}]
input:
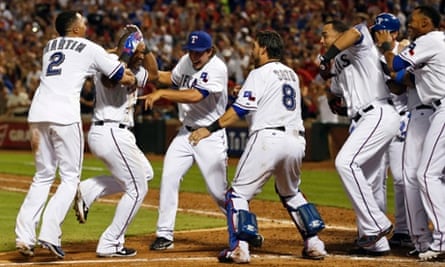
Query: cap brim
[{"x": 195, "y": 49}]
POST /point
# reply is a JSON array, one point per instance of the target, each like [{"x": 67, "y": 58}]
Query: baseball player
[
  {"x": 111, "y": 140},
  {"x": 201, "y": 78},
  {"x": 393, "y": 157},
  {"x": 270, "y": 101},
  {"x": 56, "y": 130},
  {"x": 425, "y": 59},
  {"x": 376, "y": 123}
]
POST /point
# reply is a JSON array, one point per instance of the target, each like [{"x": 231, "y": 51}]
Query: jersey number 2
[
  {"x": 55, "y": 61},
  {"x": 289, "y": 97}
]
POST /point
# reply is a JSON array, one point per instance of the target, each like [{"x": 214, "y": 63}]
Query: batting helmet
[{"x": 386, "y": 21}]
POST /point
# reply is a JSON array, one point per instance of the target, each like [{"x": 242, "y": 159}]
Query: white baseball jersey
[
  {"x": 211, "y": 77},
  {"x": 117, "y": 104},
  {"x": 366, "y": 83},
  {"x": 278, "y": 93},
  {"x": 428, "y": 48},
  {"x": 67, "y": 61}
]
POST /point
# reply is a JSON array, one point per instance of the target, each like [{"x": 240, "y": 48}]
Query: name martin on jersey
[{"x": 62, "y": 43}]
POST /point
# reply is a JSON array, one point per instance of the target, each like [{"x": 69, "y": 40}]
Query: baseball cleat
[
  {"x": 431, "y": 255},
  {"x": 80, "y": 207},
  {"x": 124, "y": 252},
  {"x": 25, "y": 250},
  {"x": 314, "y": 254},
  {"x": 161, "y": 243},
  {"x": 234, "y": 256},
  {"x": 56, "y": 250},
  {"x": 369, "y": 240},
  {"x": 400, "y": 240},
  {"x": 361, "y": 252}
]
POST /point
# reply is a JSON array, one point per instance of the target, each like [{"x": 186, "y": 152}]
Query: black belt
[
  {"x": 283, "y": 129},
  {"x": 424, "y": 107},
  {"x": 437, "y": 102},
  {"x": 358, "y": 115},
  {"x": 278, "y": 128},
  {"x": 120, "y": 125},
  {"x": 403, "y": 112}
]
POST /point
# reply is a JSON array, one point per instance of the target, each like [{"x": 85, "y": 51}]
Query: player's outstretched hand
[
  {"x": 325, "y": 69},
  {"x": 197, "y": 135},
  {"x": 150, "y": 99}
]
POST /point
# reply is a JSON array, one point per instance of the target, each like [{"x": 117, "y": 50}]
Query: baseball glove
[{"x": 337, "y": 107}]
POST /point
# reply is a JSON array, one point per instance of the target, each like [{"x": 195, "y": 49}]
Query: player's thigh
[
  {"x": 257, "y": 163},
  {"x": 210, "y": 155},
  {"x": 433, "y": 153},
  {"x": 69, "y": 147},
  {"x": 44, "y": 153},
  {"x": 288, "y": 168},
  {"x": 178, "y": 159}
]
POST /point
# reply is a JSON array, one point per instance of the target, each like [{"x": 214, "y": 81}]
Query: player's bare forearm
[
  {"x": 227, "y": 119},
  {"x": 348, "y": 39},
  {"x": 165, "y": 78},
  {"x": 181, "y": 96},
  {"x": 151, "y": 65}
]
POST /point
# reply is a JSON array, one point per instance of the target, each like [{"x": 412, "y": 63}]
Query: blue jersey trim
[
  {"x": 203, "y": 92},
  {"x": 118, "y": 75},
  {"x": 240, "y": 111},
  {"x": 399, "y": 63}
]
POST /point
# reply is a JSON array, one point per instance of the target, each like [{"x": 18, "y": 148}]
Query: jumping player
[
  {"x": 376, "y": 123},
  {"x": 425, "y": 59},
  {"x": 111, "y": 140},
  {"x": 56, "y": 130},
  {"x": 270, "y": 101},
  {"x": 201, "y": 78}
]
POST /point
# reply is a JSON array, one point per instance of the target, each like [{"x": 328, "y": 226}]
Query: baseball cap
[{"x": 198, "y": 41}]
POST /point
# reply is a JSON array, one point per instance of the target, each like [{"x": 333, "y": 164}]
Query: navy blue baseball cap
[
  {"x": 386, "y": 21},
  {"x": 198, "y": 41}
]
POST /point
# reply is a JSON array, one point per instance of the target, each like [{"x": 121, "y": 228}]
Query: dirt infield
[{"x": 282, "y": 246}]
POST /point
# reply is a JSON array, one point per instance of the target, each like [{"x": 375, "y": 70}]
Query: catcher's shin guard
[
  {"x": 306, "y": 217},
  {"x": 242, "y": 224}
]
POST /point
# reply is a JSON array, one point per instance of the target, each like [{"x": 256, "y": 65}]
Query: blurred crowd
[{"x": 26, "y": 26}]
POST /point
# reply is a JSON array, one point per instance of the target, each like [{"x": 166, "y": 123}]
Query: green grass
[{"x": 320, "y": 187}]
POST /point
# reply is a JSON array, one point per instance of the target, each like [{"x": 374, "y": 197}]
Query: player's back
[
  {"x": 276, "y": 88},
  {"x": 66, "y": 63}
]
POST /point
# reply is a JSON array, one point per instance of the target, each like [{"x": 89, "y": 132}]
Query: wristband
[
  {"x": 385, "y": 47},
  {"x": 214, "y": 126},
  {"x": 331, "y": 53}
]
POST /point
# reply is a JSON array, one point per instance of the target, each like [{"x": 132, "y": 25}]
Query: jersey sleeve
[
  {"x": 247, "y": 96},
  {"x": 141, "y": 77},
  {"x": 419, "y": 51},
  {"x": 213, "y": 78},
  {"x": 105, "y": 62}
]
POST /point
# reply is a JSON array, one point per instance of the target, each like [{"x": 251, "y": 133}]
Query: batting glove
[
  {"x": 325, "y": 68},
  {"x": 132, "y": 42}
]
